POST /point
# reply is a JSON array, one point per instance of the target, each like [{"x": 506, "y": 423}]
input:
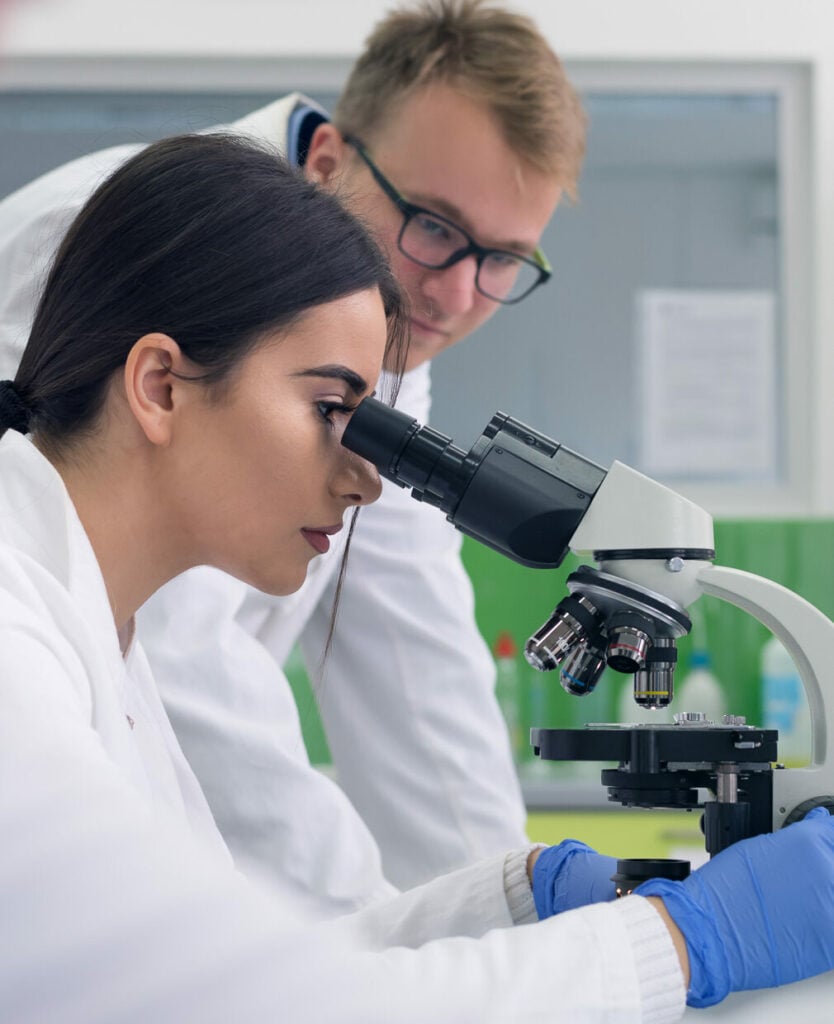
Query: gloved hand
[
  {"x": 760, "y": 913},
  {"x": 571, "y": 875}
]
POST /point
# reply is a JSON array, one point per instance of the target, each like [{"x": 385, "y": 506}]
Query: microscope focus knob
[
  {"x": 799, "y": 812},
  {"x": 690, "y": 718}
]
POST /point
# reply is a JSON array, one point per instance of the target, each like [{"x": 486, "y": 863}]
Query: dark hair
[{"x": 209, "y": 239}]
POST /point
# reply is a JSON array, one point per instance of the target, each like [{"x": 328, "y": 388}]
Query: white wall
[
  {"x": 778, "y": 29},
  {"x": 39, "y": 33}
]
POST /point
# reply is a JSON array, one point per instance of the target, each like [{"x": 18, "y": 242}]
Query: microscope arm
[
  {"x": 646, "y": 533},
  {"x": 808, "y": 637}
]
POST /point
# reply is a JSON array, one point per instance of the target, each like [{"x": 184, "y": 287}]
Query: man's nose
[{"x": 453, "y": 289}]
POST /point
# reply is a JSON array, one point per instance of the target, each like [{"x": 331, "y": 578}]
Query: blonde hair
[{"x": 488, "y": 53}]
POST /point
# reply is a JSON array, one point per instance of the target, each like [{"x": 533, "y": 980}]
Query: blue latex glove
[
  {"x": 571, "y": 875},
  {"x": 760, "y": 913}
]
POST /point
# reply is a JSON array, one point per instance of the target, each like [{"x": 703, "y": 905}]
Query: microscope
[{"x": 532, "y": 499}]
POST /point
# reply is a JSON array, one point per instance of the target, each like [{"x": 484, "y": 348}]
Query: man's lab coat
[
  {"x": 120, "y": 903},
  {"x": 436, "y": 787}
]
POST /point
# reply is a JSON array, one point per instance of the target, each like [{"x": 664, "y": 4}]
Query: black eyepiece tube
[
  {"x": 406, "y": 453},
  {"x": 379, "y": 433},
  {"x": 515, "y": 490}
]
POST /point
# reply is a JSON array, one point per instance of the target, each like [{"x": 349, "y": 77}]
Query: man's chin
[{"x": 425, "y": 345}]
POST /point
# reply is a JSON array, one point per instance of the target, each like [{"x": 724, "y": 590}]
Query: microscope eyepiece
[
  {"x": 379, "y": 433},
  {"x": 515, "y": 490},
  {"x": 408, "y": 454}
]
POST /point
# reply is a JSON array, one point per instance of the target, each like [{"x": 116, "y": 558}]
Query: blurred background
[{"x": 688, "y": 329}]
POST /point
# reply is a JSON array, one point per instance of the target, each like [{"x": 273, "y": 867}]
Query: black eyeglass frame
[{"x": 538, "y": 262}]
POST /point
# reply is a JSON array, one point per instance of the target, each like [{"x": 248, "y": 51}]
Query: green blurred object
[
  {"x": 514, "y": 599},
  {"x": 312, "y": 729},
  {"x": 624, "y": 832}
]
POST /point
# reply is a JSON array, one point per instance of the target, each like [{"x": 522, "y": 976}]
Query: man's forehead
[{"x": 447, "y": 152}]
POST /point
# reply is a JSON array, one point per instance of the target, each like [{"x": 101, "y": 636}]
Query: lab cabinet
[
  {"x": 694, "y": 188},
  {"x": 693, "y": 185}
]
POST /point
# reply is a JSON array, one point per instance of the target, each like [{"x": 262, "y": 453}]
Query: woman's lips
[{"x": 319, "y": 538}]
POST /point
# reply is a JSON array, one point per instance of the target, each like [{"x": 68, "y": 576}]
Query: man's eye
[
  {"x": 433, "y": 228},
  {"x": 503, "y": 260}
]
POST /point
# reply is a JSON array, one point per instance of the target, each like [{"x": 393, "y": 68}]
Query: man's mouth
[{"x": 427, "y": 328}]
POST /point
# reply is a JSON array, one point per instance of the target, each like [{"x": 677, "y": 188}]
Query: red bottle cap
[{"x": 505, "y": 646}]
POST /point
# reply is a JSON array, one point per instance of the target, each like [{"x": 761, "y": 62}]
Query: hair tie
[{"x": 14, "y": 412}]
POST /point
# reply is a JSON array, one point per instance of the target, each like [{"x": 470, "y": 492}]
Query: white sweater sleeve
[
  {"x": 112, "y": 914},
  {"x": 115, "y": 920}
]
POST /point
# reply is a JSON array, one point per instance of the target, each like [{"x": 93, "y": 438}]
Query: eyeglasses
[{"x": 435, "y": 242}]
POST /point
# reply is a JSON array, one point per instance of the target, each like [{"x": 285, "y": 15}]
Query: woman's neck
[{"x": 121, "y": 505}]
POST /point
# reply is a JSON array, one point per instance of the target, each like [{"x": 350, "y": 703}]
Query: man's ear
[
  {"x": 326, "y": 155},
  {"x": 152, "y": 391}
]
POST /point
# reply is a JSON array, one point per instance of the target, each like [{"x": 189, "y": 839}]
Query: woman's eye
[{"x": 329, "y": 410}]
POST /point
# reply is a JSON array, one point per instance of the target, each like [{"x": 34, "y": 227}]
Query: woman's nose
[{"x": 360, "y": 483}]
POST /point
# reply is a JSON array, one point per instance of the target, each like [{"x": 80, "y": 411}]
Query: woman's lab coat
[
  {"x": 120, "y": 903},
  {"x": 437, "y": 787}
]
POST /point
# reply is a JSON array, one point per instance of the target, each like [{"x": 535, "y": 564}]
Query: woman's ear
[
  {"x": 152, "y": 391},
  {"x": 326, "y": 155}
]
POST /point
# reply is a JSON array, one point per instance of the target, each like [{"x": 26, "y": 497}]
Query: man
[{"x": 455, "y": 136}]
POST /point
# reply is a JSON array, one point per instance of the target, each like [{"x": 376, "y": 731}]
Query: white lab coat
[
  {"x": 436, "y": 787},
  {"x": 120, "y": 903}
]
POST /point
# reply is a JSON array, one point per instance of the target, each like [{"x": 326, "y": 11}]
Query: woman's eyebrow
[{"x": 358, "y": 385}]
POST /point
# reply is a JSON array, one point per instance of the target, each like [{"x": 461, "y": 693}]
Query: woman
[{"x": 208, "y": 325}]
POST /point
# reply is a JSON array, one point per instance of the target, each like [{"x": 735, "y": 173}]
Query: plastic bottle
[
  {"x": 784, "y": 704},
  {"x": 508, "y": 690},
  {"x": 701, "y": 690},
  {"x": 548, "y": 707}
]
